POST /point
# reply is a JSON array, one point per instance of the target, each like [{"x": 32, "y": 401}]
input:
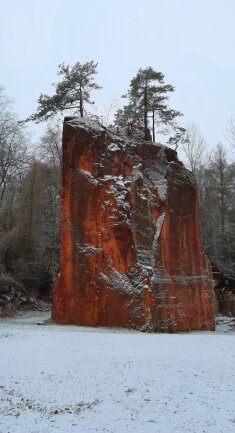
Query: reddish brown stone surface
[{"x": 131, "y": 253}]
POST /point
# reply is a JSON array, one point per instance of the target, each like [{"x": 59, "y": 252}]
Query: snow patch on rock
[
  {"x": 114, "y": 147},
  {"x": 88, "y": 249},
  {"x": 88, "y": 176}
]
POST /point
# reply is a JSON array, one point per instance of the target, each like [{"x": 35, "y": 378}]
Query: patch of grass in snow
[
  {"x": 130, "y": 390},
  {"x": 14, "y": 404},
  {"x": 83, "y": 406},
  {"x": 6, "y": 335},
  {"x": 78, "y": 408}
]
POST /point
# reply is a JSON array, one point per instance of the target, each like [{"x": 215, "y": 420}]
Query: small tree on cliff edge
[
  {"x": 71, "y": 93},
  {"x": 148, "y": 96}
]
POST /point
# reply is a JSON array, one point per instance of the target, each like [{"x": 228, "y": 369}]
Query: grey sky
[{"x": 190, "y": 41}]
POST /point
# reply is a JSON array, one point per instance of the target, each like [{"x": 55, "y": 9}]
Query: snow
[
  {"x": 88, "y": 249},
  {"x": 136, "y": 173},
  {"x": 69, "y": 379},
  {"x": 114, "y": 147},
  {"x": 225, "y": 324},
  {"x": 88, "y": 176},
  {"x": 119, "y": 281},
  {"x": 119, "y": 191},
  {"x": 158, "y": 228},
  {"x": 162, "y": 190},
  {"x": 93, "y": 127}
]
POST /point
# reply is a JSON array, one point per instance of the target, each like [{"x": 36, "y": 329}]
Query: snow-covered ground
[{"x": 69, "y": 379}]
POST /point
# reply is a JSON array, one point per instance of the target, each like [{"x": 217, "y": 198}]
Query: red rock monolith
[{"x": 131, "y": 252}]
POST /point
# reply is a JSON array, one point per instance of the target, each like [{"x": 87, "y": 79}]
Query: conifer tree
[
  {"x": 148, "y": 96},
  {"x": 71, "y": 93}
]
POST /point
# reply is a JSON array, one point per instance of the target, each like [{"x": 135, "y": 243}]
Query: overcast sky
[{"x": 191, "y": 41}]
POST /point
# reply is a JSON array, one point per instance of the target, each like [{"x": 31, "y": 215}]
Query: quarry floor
[{"x": 69, "y": 379}]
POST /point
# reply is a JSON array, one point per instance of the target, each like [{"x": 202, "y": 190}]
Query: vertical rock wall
[{"x": 131, "y": 253}]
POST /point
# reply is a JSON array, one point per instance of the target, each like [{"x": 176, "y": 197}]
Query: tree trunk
[
  {"x": 31, "y": 207},
  {"x": 81, "y": 103},
  {"x": 153, "y": 124},
  {"x": 145, "y": 114},
  {"x": 3, "y": 186}
]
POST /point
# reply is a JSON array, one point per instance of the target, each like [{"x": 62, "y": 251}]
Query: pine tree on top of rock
[
  {"x": 148, "y": 98},
  {"x": 71, "y": 93}
]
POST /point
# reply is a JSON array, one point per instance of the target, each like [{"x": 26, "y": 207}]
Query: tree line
[
  {"x": 29, "y": 203},
  {"x": 29, "y": 179},
  {"x": 215, "y": 175}
]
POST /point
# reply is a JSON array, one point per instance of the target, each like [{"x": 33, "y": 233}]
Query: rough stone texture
[
  {"x": 15, "y": 299},
  {"x": 131, "y": 253}
]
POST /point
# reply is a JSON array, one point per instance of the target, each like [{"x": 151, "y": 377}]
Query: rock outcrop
[{"x": 131, "y": 253}]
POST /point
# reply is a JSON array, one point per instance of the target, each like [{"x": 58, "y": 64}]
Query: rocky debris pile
[
  {"x": 131, "y": 252},
  {"x": 225, "y": 323},
  {"x": 14, "y": 298}
]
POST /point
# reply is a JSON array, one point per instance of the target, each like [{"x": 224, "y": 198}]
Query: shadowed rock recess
[{"x": 131, "y": 252}]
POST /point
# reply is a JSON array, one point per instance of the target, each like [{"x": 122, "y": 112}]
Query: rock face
[{"x": 131, "y": 253}]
